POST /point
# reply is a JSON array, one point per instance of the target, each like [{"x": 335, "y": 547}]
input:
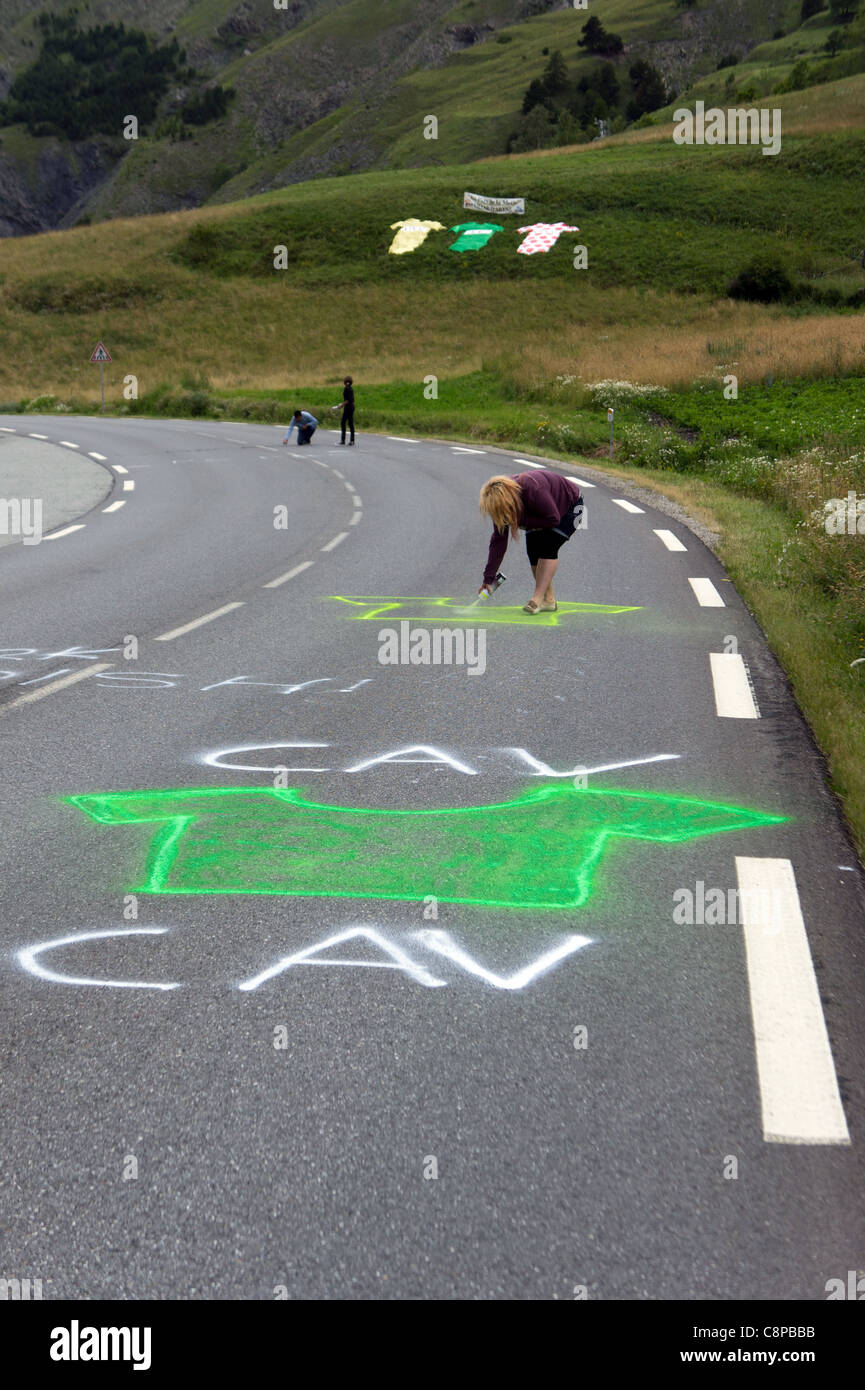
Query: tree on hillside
[
  {"x": 843, "y": 10},
  {"x": 554, "y": 79},
  {"x": 811, "y": 7},
  {"x": 536, "y": 131},
  {"x": 596, "y": 39},
  {"x": 649, "y": 90}
]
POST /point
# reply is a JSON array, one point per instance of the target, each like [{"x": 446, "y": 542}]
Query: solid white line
[
  {"x": 118, "y": 467},
  {"x": 400, "y": 439},
  {"x": 283, "y": 578},
  {"x": 187, "y": 627},
  {"x": 129, "y": 486},
  {"x": 798, "y": 1085},
  {"x": 114, "y": 506},
  {"x": 733, "y": 696},
  {"x": 355, "y": 518},
  {"x": 670, "y": 541},
  {"x": 38, "y": 436},
  {"x": 66, "y": 443},
  {"x": 57, "y": 685},
  {"x": 67, "y": 531},
  {"x": 100, "y": 457},
  {"x": 627, "y": 506},
  {"x": 331, "y": 545},
  {"x": 706, "y": 593}
]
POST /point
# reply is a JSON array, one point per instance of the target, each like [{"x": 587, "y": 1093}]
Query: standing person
[
  {"x": 347, "y": 408},
  {"x": 548, "y": 507},
  {"x": 306, "y": 427}
]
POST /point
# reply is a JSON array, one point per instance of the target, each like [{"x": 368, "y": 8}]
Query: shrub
[{"x": 764, "y": 279}]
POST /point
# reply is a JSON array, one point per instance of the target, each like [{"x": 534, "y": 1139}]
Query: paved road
[{"x": 308, "y": 1039}]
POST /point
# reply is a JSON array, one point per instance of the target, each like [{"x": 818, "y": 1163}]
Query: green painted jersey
[
  {"x": 540, "y": 850},
  {"x": 473, "y": 235}
]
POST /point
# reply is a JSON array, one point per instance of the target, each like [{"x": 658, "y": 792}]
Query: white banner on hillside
[{"x": 481, "y": 204}]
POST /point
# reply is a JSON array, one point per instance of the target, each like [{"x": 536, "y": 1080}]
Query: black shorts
[{"x": 546, "y": 543}]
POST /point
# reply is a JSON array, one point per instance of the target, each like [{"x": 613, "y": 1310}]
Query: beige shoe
[{"x": 549, "y": 607}]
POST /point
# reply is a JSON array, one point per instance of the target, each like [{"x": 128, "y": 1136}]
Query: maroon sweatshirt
[{"x": 546, "y": 497}]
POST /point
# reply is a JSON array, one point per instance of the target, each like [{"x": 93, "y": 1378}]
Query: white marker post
[
  {"x": 101, "y": 355},
  {"x": 610, "y": 414}
]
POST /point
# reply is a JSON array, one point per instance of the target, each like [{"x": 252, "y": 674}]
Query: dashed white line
[
  {"x": 351, "y": 487},
  {"x": 38, "y": 436},
  {"x": 627, "y": 506},
  {"x": 114, "y": 506},
  {"x": 799, "y": 1094},
  {"x": 331, "y": 545},
  {"x": 337, "y": 472},
  {"x": 528, "y": 463},
  {"x": 461, "y": 449},
  {"x": 6, "y": 429},
  {"x": 67, "y": 444},
  {"x": 100, "y": 457},
  {"x": 734, "y": 698},
  {"x": 355, "y": 518},
  {"x": 581, "y": 482},
  {"x": 671, "y": 541},
  {"x": 284, "y": 578},
  {"x": 401, "y": 439},
  {"x": 67, "y": 531},
  {"x": 128, "y": 486},
  {"x": 118, "y": 467},
  {"x": 706, "y": 593},
  {"x": 197, "y": 622},
  {"x": 57, "y": 685}
]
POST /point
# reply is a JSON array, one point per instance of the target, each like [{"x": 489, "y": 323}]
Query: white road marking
[
  {"x": 706, "y": 593},
  {"x": 400, "y": 439},
  {"x": 337, "y": 472},
  {"x": 670, "y": 541},
  {"x": 272, "y": 447},
  {"x": 283, "y": 578},
  {"x": 38, "y": 436},
  {"x": 798, "y": 1085},
  {"x": 67, "y": 531},
  {"x": 6, "y": 429},
  {"x": 355, "y": 518},
  {"x": 118, "y": 467},
  {"x": 351, "y": 487},
  {"x": 114, "y": 506},
  {"x": 58, "y": 685},
  {"x": 198, "y": 622},
  {"x": 528, "y": 463},
  {"x": 68, "y": 445},
  {"x": 580, "y": 481},
  {"x": 129, "y": 486},
  {"x": 100, "y": 457},
  {"x": 627, "y": 506},
  {"x": 733, "y": 696},
  {"x": 331, "y": 545},
  {"x": 461, "y": 449},
  {"x": 235, "y": 441}
]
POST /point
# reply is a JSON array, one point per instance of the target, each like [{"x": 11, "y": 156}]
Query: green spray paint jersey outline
[
  {"x": 538, "y": 850},
  {"x": 443, "y": 609}
]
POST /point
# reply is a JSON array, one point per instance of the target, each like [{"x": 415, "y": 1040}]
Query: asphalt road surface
[{"x": 330, "y": 976}]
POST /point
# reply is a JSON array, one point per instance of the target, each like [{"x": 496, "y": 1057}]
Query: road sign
[{"x": 100, "y": 353}]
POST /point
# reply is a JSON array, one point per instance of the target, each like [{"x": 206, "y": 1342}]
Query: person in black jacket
[{"x": 347, "y": 409}]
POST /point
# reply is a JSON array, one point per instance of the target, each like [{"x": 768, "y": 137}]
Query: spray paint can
[{"x": 489, "y": 589}]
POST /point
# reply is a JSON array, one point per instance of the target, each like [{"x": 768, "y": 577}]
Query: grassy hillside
[{"x": 337, "y": 86}]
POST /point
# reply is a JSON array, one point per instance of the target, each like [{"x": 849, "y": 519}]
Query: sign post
[
  {"x": 101, "y": 355},
  {"x": 610, "y": 414}
]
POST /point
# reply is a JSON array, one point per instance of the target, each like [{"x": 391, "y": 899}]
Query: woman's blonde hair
[{"x": 502, "y": 500}]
